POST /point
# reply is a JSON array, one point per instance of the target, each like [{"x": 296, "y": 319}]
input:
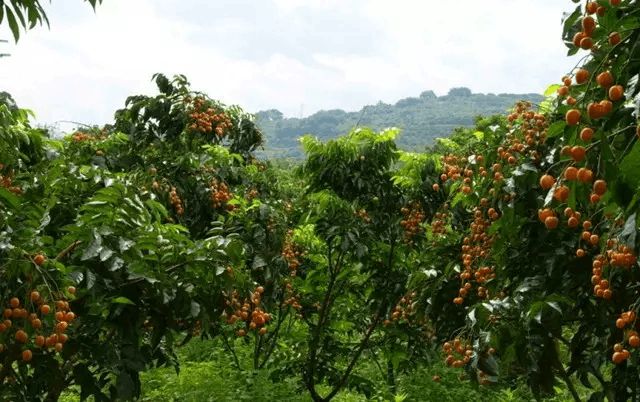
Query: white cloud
[{"x": 320, "y": 53}]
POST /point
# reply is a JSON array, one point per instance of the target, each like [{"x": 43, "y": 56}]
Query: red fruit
[
  {"x": 39, "y": 341},
  {"x": 571, "y": 173},
  {"x": 585, "y": 175},
  {"x": 616, "y": 93},
  {"x": 551, "y": 222},
  {"x": 577, "y": 38},
  {"x": 573, "y": 117},
  {"x": 605, "y": 79},
  {"x": 543, "y": 214},
  {"x": 614, "y": 38},
  {"x": 606, "y": 106},
  {"x": 39, "y": 259},
  {"x": 563, "y": 91},
  {"x": 582, "y": 76},
  {"x": 27, "y": 355},
  {"x": 595, "y": 111},
  {"x": 21, "y": 336},
  {"x": 586, "y": 43},
  {"x": 547, "y": 181},
  {"x": 586, "y": 134},
  {"x": 14, "y": 302},
  {"x": 599, "y": 187},
  {"x": 561, "y": 193},
  {"x": 578, "y": 153},
  {"x": 588, "y": 25}
]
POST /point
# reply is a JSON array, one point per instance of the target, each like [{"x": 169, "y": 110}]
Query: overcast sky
[{"x": 292, "y": 55}]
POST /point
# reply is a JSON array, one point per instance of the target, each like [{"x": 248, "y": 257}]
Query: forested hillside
[{"x": 421, "y": 119}]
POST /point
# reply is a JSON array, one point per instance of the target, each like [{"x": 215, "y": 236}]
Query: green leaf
[
  {"x": 448, "y": 143},
  {"x": 630, "y": 167},
  {"x": 94, "y": 248},
  {"x": 570, "y": 20},
  {"x": 258, "y": 262},
  {"x": 13, "y": 24},
  {"x": 555, "y": 129},
  {"x": 551, "y": 89},
  {"x": 9, "y": 198},
  {"x": 195, "y": 309},
  {"x": 122, "y": 300},
  {"x": 628, "y": 235}
]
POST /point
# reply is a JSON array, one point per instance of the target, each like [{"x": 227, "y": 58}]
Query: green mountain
[{"x": 421, "y": 119}]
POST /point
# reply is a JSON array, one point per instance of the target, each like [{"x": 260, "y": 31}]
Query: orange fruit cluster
[
  {"x": 601, "y": 286},
  {"x": 438, "y": 223},
  {"x": 251, "y": 194},
  {"x": 204, "y": 118},
  {"x": 220, "y": 194},
  {"x": 633, "y": 339},
  {"x": 291, "y": 299},
  {"x": 584, "y": 39},
  {"x": 615, "y": 256},
  {"x": 621, "y": 256},
  {"x": 625, "y": 319},
  {"x": 620, "y": 354},
  {"x": 458, "y": 353},
  {"x": 6, "y": 181},
  {"x": 573, "y": 218},
  {"x": 80, "y": 136},
  {"x": 403, "y": 309},
  {"x": 249, "y": 312},
  {"x": 531, "y": 126},
  {"x": 475, "y": 250},
  {"x": 413, "y": 217},
  {"x": 291, "y": 253},
  {"x": 452, "y": 166},
  {"x": 176, "y": 201},
  {"x": 363, "y": 214},
  {"x": 26, "y": 324},
  {"x": 549, "y": 218}
]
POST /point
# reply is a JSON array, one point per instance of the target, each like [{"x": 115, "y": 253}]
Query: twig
[{"x": 68, "y": 250}]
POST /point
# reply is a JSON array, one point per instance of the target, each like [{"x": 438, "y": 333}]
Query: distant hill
[{"x": 421, "y": 119}]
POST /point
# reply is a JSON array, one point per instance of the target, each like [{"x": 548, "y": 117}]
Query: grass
[{"x": 207, "y": 373}]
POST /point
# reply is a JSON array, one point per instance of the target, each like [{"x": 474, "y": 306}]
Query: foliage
[
  {"x": 150, "y": 261},
  {"x": 26, "y": 14},
  {"x": 547, "y": 277}
]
